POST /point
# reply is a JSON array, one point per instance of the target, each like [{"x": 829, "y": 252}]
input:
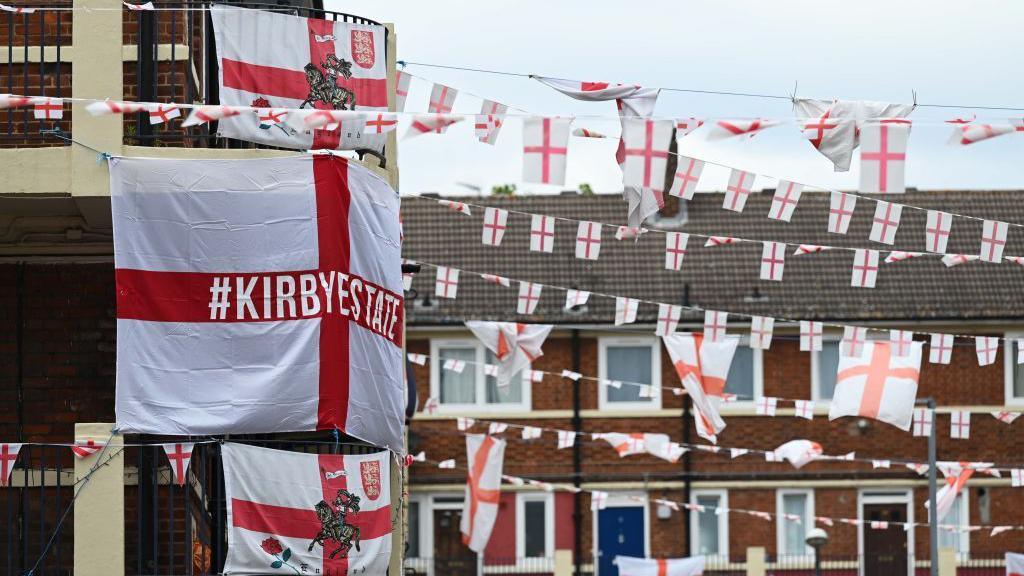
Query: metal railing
[{"x": 468, "y": 565}]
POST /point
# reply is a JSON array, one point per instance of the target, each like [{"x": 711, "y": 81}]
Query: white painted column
[{"x": 99, "y": 507}]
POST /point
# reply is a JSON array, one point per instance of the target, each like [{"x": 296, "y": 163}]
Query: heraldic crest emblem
[
  {"x": 333, "y": 526},
  {"x": 324, "y": 87}
]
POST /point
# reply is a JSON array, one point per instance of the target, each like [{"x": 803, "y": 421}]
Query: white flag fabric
[
  {"x": 668, "y": 319},
  {"x": 840, "y": 212},
  {"x": 495, "y": 224},
  {"x": 574, "y": 298},
  {"x": 257, "y": 296},
  {"x": 688, "y": 171},
  {"x": 485, "y": 456},
  {"x": 703, "y": 366},
  {"x": 442, "y": 99},
  {"x": 490, "y": 121},
  {"x": 630, "y": 566},
  {"x": 8, "y": 456},
  {"x": 430, "y": 124},
  {"x": 877, "y": 384},
  {"x": 402, "y": 81},
  {"x": 811, "y": 336},
  {"x": 971, "y": 133},
  {"x": 515, "y": 345},
  {"x": 545, "y": 145},
  {"x": 179, "y": 455},
  {"x": 590, "y": 91},
  {"x": 741, "y": 184},
  {"x": 675, "y": 249},
  {"x": 646, "y": 152},
  {"x": 936, "y": 231},
  {"x": 773, "y": 260},
  {"x": 787, "y": 195},
  {"x": 588, "y": 240},
  {"x": 287, "y": 66},
  {"x": 993, "y": 240},
  {"x": 956, "y": 478},
  {"x": 798, "y": 452},
  {"x": 832, "y": 126},
  {"x": 542, "y": 233},
  {"x": 883, "y": 157},
  {"x": 885, "y": 222},
  {"x": 288, "y": 509},
  {"x": 1014, "y": 564},
  {"x": 625, "y": 310},
  {"x": 529, "y": 297}
]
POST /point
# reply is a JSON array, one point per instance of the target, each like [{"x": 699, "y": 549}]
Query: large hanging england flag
[
  {"x": 273, "y": 61},
  {"x": 257, "y": 296}
]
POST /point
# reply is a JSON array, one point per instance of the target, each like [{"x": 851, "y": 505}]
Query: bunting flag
[
  {"x": 402, "y": 81},
  {"x": 840, "y": 212},
  {"x": 576, "y": 298},
  {"x": 447, "y": 283},
  {"x": 936, "y": 231},
  {"x": 684, "y": 183},
  {"x": 787, "y": 195},
  {"x": 730, "y": 128},
  {"x": 885, "y": 222},
  {"x": 446, "y": 464},
  {"x": 720, "y": 241},
  {"x": 900, "y": 255},
  {"x": 630, "y": 566},
  {"x": 668, "y": 319},
  {"x": 960, "y": 425},
  {"x": 442, "y": 99},
  {"x": 542, "y": 233},
  {"x": 162, "y": 113},
  {"x": 986, "y": 348},
  {"x": 900, "y": 341},
  {"x": 420, "y": 359},
  {"x": 703, "y": 366},
  {"x": 269, "y": 528},
  {"x": 489, "y": 121},
  {"x": 766, "y": 405},
  {"x": 715, "y": 324},
  {"x": 496, "y": 280},
  {"x": 741, "y": 184},
  {"x": 883, "y": 156},
  {"x": 646, "y": 152},
  {"x": 453, "y": 365},
  {"x": 430, "y": 124},
  {"x": 270, "y": 117},
  {"x": 686, "y": 125},
  {"x": 529, "y": 296},
  {"x": 496, "y": 428},
  {"x": 8, "y": 456},
  {"x": 675, "y": 249},
  {"x": 460, "y": 207},
  {"x": 951, "y": 260},
  {"x": 853, "y": 340},
  {"x": 865, "y": 268},
  {"x": 45, "y": 108},
  {"x": 877, "y": 384},
  {"x": 545, "y": 145},
  {"x": 107, "y": 107},
  {"x": 809, "y": 249},
  {"x": 179, "y": 455},
  {"x": 625, "y": 310},
  {"x": 993, "y": 239},
  {"x": 957, "y": 476},
  {"x": 628, "y": 233},
  {"x": 922, "y": 421},
  {"x": 971, "y": 133},
  {"x": 495, "y": 224},
  {"x": 1006, "y": 417},
  {"x": 566, "y": 439},
  {"x": 587, "y": 133},
  {"x": 598, "y": 500},
  {"x": 588, "y": 241},
  {"x": 13, "y": 101},
  {"x": 203, "y": 114},
  {"x": 799, "y": 452},
  {"x": 773, "y": 260},
  {"x": 379, "y": 123},
  {"x": 589, "y": 91},
  {"x": 515, "y": 346},
  {"x": 804, "y": 409},
  {"x": 531, "y": 432},
  {"x": 83, "y": 450},
  {"x": 761, "y": 328},
  {"x": 811, "y": 336},
  {"x": 832, "y": 126}
]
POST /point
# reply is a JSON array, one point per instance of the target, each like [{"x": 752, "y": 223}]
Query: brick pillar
[
  {"x": 755, "y": 561},
  {"x": 99, "y": 508}
]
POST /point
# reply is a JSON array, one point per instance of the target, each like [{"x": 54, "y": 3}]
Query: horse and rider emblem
[
  {"x": 333, "y": 525},
  {"x": 324, "y": 87}
]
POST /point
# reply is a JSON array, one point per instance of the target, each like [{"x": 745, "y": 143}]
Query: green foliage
[
  {"x": 586, "y": 190},
  {"x": 503, "y": 190}
]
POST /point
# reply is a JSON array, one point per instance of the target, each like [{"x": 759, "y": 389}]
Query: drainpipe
[
  {"x": 687, "y": 469},
  {"x": 19, "y": 337},
  {"x": 577, "y": 460}
]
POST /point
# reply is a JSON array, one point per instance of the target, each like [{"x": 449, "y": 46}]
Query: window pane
[
  {"x": 535, "y": 524},
  {"x": 793, "y": 533},
  {"x": 511, "y": 394},
  {"x": 413, "y": 550},
  {"x": 458, "y": 388},
  {"x": 828, "y": 367},
  {"x": 1018, "y": 374},
  {"x": 951, "y": 539},
  {"x": 707, "y": 526},
  {"x": 628, "y": 364},
  {"x": 741, "y": 374}
]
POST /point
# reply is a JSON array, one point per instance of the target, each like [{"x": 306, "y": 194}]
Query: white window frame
[
  {"x": 723, "y": 522},
  {"x": 1010, "y": 363},
  {"x": 602, "y": 360},
  {"x": 964, "y": 553},
  {"x": 781, "y": 522},
  {"x": 757, "y": 365},
  {"x": 549, "y": 523},
  {"x": 815, "y": 376},
  {"x": 480, "y": 380},
  {"x": 423, "y": 525}
]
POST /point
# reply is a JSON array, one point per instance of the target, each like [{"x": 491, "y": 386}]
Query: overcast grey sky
[{"x": 949, "y": 52}]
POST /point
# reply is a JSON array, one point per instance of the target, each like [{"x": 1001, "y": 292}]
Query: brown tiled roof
[{"x": 816, "y": 286}]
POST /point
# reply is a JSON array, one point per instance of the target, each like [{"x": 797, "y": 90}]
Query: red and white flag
[
  {"x": 334, "y": 517},
  {"x": 297, "y": 62},
  {"x": 485, "y": 456},
  {"x": 877, "y": 384},
  {"x": 13, "y": 101},
  {"x": 865, "y": 268},
  {"x": 587, "y": 133},
  {"x": 625, "y": 444},
  {"x": 936, "y": 231},
  {"x": 688, "y": 171},
  {"x": 922, "y": 421},
  {"x": 204, "y": 114},
  {"x": 853, "y": 340},
  {"x": 900, "y": 340},
  {"x": 686, "y": 125},
  {"x": 629, "y": 566},
  {"x": 885, "y": 222},
  {"x": 145, "y": 6},
  {"x": 44, "y": 108},
  {"x": 787, "y": 194},
  {"x": 8, "y": 456},
  {"x": 447, "y": 283},
  {"x": 833, "y": 137},
  {"x": 625, "y": 310},
  {"x": 993, "y": 239},
  {"x": 675, "y": 249},
  {"x": 668, "y": 319},
  {"x": 809, "y": 249},
  {"x": 455, "y": 206},
  {"x": 646, "y": 152},
  {"x": 957, "y": 476},
  {"x": 761, "y": 329},
  {"x": 590, "y": 91},
  {"x": 840, "y": 212},
  {"x": 162, "y": 113},
  {"x": 442, "y": 99},
  {"x": 575, "y": 298},
  {"x": 430, "y": 124},
  {"x": 545, "y": 145},
  {"x": 495, "y": 224},
  {"x": 951, "y": 260},
  {"x": 960, "y": 425},
  {"x": 179, "y": 455},
  {"x": 715, "y": 325},
  {"x": 1014, "y": 564},
  {"x": 741, "y": 184},
  {"x": 514, "y": 345},
  {"x": 306, "y": 272},
  {"x": 1006, "y": 417},
  {"x": 86, "y": 449},
  {"x": 108, "y": 107},
  {"x": 832, "y": 126},
  {"x": 730, "y": 128},
  {"x": 766, "y": 405},
  {"x": 566, "y": 439},
  {"x": 773, "y": 260},
  {"x": 402, "y": 81},
  {"x": 810, "y": 336},
  {"x": 804, "y": 409},
  {"x": 542, "y": 233},
  {"x": 986, "y": 348},
  {"x": 799, "y": 452},
  {"x": 588, "y": 240},
  {"x": 379, "y": 123},
  {"x": 489, "y": 121},
  {"x": 883, "y": 157},
  {"x": 702, "y": 366},
  {"x": 971, "y": 133},
  {"x": 901, "y": 255},
  {"x": 529, "y": 297}
]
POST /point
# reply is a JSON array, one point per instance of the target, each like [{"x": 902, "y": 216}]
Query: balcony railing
[{"x": 169, "y": 56}]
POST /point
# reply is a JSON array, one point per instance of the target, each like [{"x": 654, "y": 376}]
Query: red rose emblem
[
  {"x": 272, "y": 546},
  {"x": 260, "y": 102}
]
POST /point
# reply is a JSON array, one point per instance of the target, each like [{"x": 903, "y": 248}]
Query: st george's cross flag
[
  {"x": 8, "y": 455},
  {"x": 257, "y": 296},
  {"x": 1014, "y": 564},
  {"x": 703, "y": 366},
  {"x": 956, "y": 476},
  {"x": 514, "y": 345},
  {"x": 630, "y": 566},
  {"x": 327, "y": 514},
  {"x": 833, "y": 127},
  {"x": 878, "y": 384},
  {"x": 485, "y": 456},
  {"x": 179, "y": 455},
  {"x": 798, "y": 452},
  {"x": 270, "y": 60}
]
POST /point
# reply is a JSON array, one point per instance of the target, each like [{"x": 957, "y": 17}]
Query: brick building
[{"x": 920, "y": 294}]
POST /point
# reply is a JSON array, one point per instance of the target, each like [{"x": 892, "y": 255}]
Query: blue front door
[{"x": 620, "y": 531}]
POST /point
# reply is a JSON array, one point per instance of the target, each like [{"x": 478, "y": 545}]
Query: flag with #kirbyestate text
[
  {"x": 270, "y": 60},
  {"x": 299, "y": 513},
  {"x": 257, "y": 296}
]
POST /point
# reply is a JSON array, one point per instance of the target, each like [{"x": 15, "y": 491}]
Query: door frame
[
  {"x": 622, "y": 500},
  {"x": 903, "y": 496},
  {"x": 429, "y": 504}
]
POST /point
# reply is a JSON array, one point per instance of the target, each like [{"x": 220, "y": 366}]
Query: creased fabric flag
[
  {"x": 589, "y": 91},
  {"x": 146, "y": 6},
  {"x": 8, "y": 456},
  {"x": 628, "y": 233},
  {"x": 269, "y": 527},
  {"x": 495, "y": 224},
  {"x": 454, "y": 365},
  {"x": 877, "y": 384},
  {"x": 840, "y": 212},
  {"x": 491, "y": 370},
  {"x": 574, "y": 298},
  {"x": 574, "y": 376},
  {"x": 485, "y": 456},
  {"x": 1006, "y": 417},
  {"x": 531, "y": 432},
  {"x": 489, "y": 121},
  {"x": 566, "y": 439},
  {"x": 960, "y": 424},
  {"x": 703, "y": 366},
  {"x": 446, "y": 464},
  {"x": 832, "y": 126},
  {"x": 430, "y": 124},
  {"x": 997, "y": 530},
  {"x": 729, "y": 128},
  {"x": 16, "y": 9},
  {"x": 179, "y": 455},
  {"x": 853, "y": 340},
  {"x": 13, "y": 100},
  {"x": 971, "y": 133},
  {"x": 533, "y": 376},
  {"x": 420, "y": 359},
  {"x": 270, "y": 117},
  {"x": 642, "y": 202},
  {"x": 545, "y": 145},
  {"x": 496, "y": 280},
  {"x": 108, "y": 107},
  {"x": 799, "y": 452},
  {"x": 761, "y": 328},
  {"x": 940, "y": 349},
  {"x": 402, "y": 81},
  {"x": 630, "y": 566},
  {"x": 378, "y": 123},
  {"x": 773, "y": 260},
  {"x": 203, "y": 114},
  {"x": 865, "y": 268},
  {"x": 625, "y": 444},
  {"x": 262, "y": 296},
  {"x": 885, "y": 222},
  {"x": 883, "y": 156},
  {"x": 162, "y": 113},
  {"x": 1018, "y": 260},
  {"x": 686, "y": 125},
  {"x": 936, "y": 231},
  {"x": 951, "y": 260},
  {"x": 993, "y": 239},
  {"x": 740, "y": 186},
  {"x": 720, "y": 241},
  {"x": 431, "y": 405},
  {"x": 766, "y": 405},
  {"x": 588, "y": 241},
  {"x": 542, "y": 233},
  {"x": 529, "y": 296},
  {"x": 684, "y": 183},
  {"x": 810, "y": 336},
  {"x": 668, "y": 319},
  {"x": 625, "y": 310},
  {"x": 922, "y": 421},
  {"x": 804, "y": 409},
  {"x": 787, "y": 195},
  {"x": 956, "y": 478},
  {"x": 876, "y": 464},
  {"x": 737, "y": 452},
  {"x": 715, "y": 325},
  {"x": 455, "y": 206},
  {"x": 442, "y": 99},
  {"x": 598, "y": 500},
  {"x": 900, "y": 256},
  {"x": 514, "y": 345},
  {"x": 986, "y": 348},
  {"x": 1017, "y": 479},
  {"x": 496, "y": 428},
  {"x": 351, "y": 125},
  {"x": 646, "y": 152},
  {"x": 447, "y": 283},
  {"x": 45, "y": 108},
  {"x": 900, "y": 341},
  {"x": 675, "y": 249},
  {"x": 809, "y": 249},
  {"x": 587, "y": 133}
]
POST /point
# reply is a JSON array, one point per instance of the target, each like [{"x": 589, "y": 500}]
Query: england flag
[{"x": 629, "y": 566}]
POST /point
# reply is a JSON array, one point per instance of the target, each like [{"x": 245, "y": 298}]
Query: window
[
  {"x": 791, "y": 535},
  {"x": 958, "y": 516},
  {"x": 709, "y": 531},
  {"x": 824, "y": 368},
  {"x": 413, "y": 534},
  {"x": 535, "y": 525},
  {"x": 472, "y": 389},
  {"x": 636, "y": 359},
  {"x": 1014, "y": 372},
  {"x": 745, "y": 377}
]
